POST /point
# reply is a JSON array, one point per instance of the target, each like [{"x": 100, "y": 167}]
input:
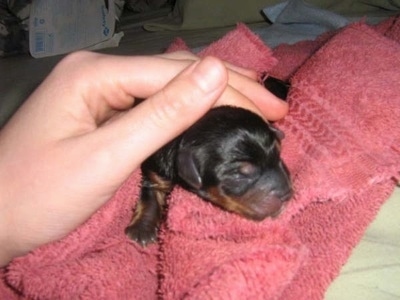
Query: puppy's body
[{"x": 230, "y": 157}]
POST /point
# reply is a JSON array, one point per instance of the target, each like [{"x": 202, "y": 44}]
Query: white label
[{"x": 62, "y": 26}]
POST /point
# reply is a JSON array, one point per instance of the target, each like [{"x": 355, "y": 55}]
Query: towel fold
[
  {"x": 344, "y": 100},
  {"x": 207, "y": 253},
  {"x": 341, "y": 147}
]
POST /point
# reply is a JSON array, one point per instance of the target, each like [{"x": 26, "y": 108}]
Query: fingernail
[{"x": 210, "y": 74}]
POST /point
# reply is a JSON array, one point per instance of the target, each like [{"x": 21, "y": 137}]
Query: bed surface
[{"x": 373, "y": 270}]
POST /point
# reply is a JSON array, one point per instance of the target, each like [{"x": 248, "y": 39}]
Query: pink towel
[
  {"x": 344, "y": 118},
  {"x": 240, "y": 47},
  {"x": 341, "y": 147},
  {"x": 94, "y": 262}
]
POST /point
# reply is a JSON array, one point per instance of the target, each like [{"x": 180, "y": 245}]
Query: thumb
[{"x": 130, "y": 139}]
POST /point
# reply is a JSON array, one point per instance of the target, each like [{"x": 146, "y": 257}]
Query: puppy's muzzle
[{"x": 268, "y": 197}]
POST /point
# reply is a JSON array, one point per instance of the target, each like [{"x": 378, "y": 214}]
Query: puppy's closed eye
[
  {"x": 248, "y": 168},
  {"x": 236, "y": 181}
]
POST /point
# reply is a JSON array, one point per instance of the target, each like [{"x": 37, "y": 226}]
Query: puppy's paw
[{"x": 142, "y": 233}]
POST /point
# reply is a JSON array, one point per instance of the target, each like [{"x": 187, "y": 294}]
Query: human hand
[{"x": 76, "y": 139}]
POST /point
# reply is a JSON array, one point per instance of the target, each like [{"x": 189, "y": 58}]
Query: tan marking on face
[
  {"x": 248, "y": 206},
  {"x": 229, "y": 203}
]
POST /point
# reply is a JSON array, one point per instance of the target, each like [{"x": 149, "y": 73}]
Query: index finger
[
  {"x": 117, "y": 80},
  {"x": 186, "y": 55},
  {"x": 243, "y": 81}
]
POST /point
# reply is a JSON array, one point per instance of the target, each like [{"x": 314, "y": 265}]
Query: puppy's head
[{"x": 231, "y": 157}]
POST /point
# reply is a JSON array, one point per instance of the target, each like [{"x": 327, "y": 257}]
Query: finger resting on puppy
[
  {"x": 187, "y": 55},
  {"x": 268, "y": 105},
  {"x": 164, "y": 115}
]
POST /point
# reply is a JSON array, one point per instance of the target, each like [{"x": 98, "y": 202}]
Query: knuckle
[
  {"x": 168, "y": 108},
  {"x": 75, "y": 59}
]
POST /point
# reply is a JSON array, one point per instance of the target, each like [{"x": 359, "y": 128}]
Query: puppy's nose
[
  {"x": 283, "y": 194},
  {"x": 286, "y": 196}
]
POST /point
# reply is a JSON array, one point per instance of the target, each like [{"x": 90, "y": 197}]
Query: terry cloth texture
[{"x": 341, "y": 146}]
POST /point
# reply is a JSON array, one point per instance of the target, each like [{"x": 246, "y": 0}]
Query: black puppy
[{"x": 230, "y": 157}]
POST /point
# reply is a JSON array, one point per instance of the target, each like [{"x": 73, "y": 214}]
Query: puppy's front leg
[{"x": 149, "y": 210}]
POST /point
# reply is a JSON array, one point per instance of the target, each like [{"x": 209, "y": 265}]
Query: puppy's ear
[
  {"x": 279, "y": 133},
  {"x": 188, "y": 170}
]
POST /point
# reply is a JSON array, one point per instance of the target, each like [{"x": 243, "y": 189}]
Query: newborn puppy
[{"x": 230, "y": 157}]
